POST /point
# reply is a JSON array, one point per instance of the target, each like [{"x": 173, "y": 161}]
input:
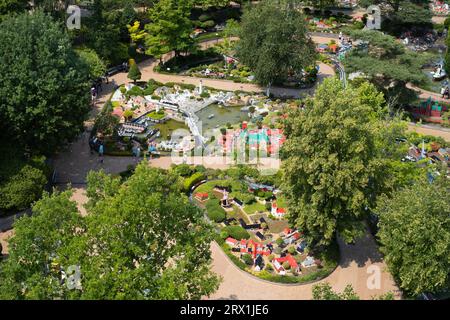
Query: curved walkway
[
  {"x": 147, "y": 69},
  {"x": 356, "y": 266},
  {"x": 73, "y": 165}
]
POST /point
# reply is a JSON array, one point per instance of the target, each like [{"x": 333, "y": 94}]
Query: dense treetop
[
  {"x": 44, "y": 96},
  {"x": 142, "y": 239}
]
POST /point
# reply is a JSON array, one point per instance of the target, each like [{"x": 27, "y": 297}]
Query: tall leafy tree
[
  {"x": 211, "y": 3},
  {"x": 415, "y": 235},
  {"x": 324, "y": 291},
  {"x": 170, "y": 28},
  {"x": 330, "y": 163},
  {"x": 142, "y": 239},
  {"x": 34, "y": 252},
  {"x": 388, "y": 64},
  {"x": 273, "y": 42},
  {"x": 97, "y": 67},
  {"x": 12, "y": 6},
  {"x": 44, "y": 96}
]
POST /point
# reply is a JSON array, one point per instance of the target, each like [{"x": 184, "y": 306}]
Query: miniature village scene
[
  {"x": 252, "y": 220},
  {"x": 156, "y": 118}
]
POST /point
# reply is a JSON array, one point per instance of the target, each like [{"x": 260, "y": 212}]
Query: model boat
[{"x": 439, "y": 74}]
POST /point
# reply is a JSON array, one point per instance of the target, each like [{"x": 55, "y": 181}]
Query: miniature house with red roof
[
  {"x": 278, "y": 264},
  {"x": 276, "y": 211},
  {"x": 201, "y": 196},
  {"x": 231, "y": 242}
]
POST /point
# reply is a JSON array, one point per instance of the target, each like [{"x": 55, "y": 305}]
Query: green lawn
[
  {"x": 237, "y": 214},
  {"x": 209, "y": 36},
  {"x": 207, "y": 187},
  {"x": 281, "y": 201},
  {"x": 252, "y": 208},
  {"x": 167, "y": 128},
  {"x": 157, "y": 115}
]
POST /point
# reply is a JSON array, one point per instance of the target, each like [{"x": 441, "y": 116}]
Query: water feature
[
  {"x": 222, "y": 116},
  {"x": 433, "y": 85}
]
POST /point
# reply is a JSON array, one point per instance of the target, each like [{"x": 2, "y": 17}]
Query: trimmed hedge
[
  {"x": 246, "y": 198},
  {"x": 215, "y": 211},
  {"x": 135, "y": 91},
  {"x": 192, "y": 180},
  {"x": 248, "y": 260},
  {"x": 237, "y": 232}
]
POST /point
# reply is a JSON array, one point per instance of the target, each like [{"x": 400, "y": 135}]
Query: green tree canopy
[
  {"x": 330, "y": 162},
  {"x": 142, "y": 239},
  {"x": 273, "y": 42},
  {"x": 134, "y": 73},
  {"x": 324, "y": 291},
  {"x": 44, "y": 96},
  {"x": 387, "y": 63},
  {"x": 170, "y": 28},
  {"x": 97, "y": 67},
  {"x": 415, "y": 235},
  {"x": 11, "y": 6}
]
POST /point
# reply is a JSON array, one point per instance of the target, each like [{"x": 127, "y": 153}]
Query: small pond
[
  {"x": 433, "y": 85},
  {"x": 222, "y": 116}
]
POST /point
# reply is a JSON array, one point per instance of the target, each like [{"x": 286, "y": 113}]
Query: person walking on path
[
  {"x": 138, "y": 153},
  {"x": 101, "y": 150},
  {"x": 442, "y": 92}
]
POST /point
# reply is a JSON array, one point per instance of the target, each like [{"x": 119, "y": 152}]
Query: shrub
[
  {"x": 279, "y": 241},
  {"x": 208, "y": 24},
  {"x": 128, "y": 114},
  {"x": 286, "y": 265},
  {"x": 224, "y": 234},
  {"x": 22, "y": 189},
  {"x": 246, "y": 198},
  {"x": 291, "y": 250},
  {"x": 204, "y": 17},
  {"x": 263, "y": 194},
  {"x": 269, "y": 267},
  {"x": 192, "y": 180},
  {"x": 215, "y": 211},
  {"x": 183, "y": 170},
  {"x": 135, "y": 91},
  {"x": 205, "y": 95},
  {"x": 237, "y": 232},
  {"x": 200, "y": 168},
  {"x": 247, "y": 259},
  {"x": 447, "y": 22}
]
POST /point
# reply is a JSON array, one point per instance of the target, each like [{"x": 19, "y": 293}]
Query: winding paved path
[{"x": 73, "y": 165}]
